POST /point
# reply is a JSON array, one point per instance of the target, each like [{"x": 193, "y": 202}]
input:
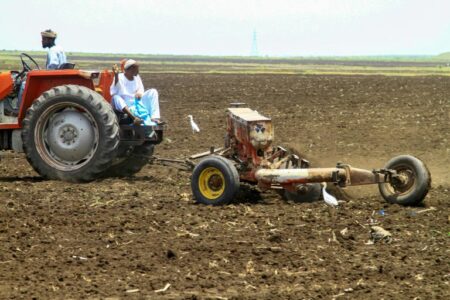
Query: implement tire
[
  {"x": 416, "y": 183},
  {"x": 215, "y": 181},
  {"x": 70, "y": 133}
]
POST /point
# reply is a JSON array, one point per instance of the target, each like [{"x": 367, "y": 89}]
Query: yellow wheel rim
[{"x": 211, "y": 183}]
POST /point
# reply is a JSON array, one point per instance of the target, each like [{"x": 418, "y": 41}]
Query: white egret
[
  {"x": 329, "y": 199},
  {"x": 194, "y": 126}
]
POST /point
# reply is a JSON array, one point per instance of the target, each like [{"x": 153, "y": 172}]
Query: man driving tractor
[
  {"x": 56, "y": 58},
  {"x": 55, "y": 55}
]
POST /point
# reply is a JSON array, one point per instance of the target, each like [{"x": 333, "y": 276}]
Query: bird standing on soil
[
  {"x": 194, "y": 126},
  {"x": 329, "y": 199}
]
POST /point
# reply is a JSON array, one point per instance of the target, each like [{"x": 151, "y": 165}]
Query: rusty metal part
[
  {"x": 249, "y": 135},
  {"x": 206, "y": 153},
  {"x": 181, "y": 164},
  {"x": 186, "y": 164},
  {"x": 344, "y": 175},
  {"x": 401, "y": 180},
  {"x": 279, "y": 163},
  {"x": 356, "y": 176},
  {"x": 362, "y": 176},
  {"x": 295, "y": 176},
  {"x": 303, "y": 163}
]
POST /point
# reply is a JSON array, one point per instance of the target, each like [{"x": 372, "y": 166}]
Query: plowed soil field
[{"x": 144, "y": 237}]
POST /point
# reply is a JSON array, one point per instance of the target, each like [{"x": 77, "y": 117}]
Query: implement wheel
[
  {"x": 412, "y": 183},
  {"x": 215, "y": 181}
]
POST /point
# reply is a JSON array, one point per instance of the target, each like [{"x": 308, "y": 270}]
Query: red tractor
[{"x": 66, "y": 125}]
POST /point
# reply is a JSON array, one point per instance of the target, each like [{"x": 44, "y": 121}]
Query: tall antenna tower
[{"x": 254, "y": 51}]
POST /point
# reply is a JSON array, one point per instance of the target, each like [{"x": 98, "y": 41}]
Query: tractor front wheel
[
  {"x": 411, "y": 183},
  {"x": 215, "y": 181},
  {"x": 70, "y": 133}
]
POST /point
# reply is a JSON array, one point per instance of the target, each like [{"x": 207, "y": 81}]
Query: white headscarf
[{"x": 129, "y": 63}]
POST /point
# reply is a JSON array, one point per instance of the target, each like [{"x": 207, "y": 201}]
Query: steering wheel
[{"x": 26, "y": 67}]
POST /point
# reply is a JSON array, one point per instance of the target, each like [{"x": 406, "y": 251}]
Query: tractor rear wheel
[
  {"x": 70, "y": 133},
  {"x": 412, "y": 184},
  {"x": 215, "y": 181},
  {"x": 133, "y": 162}
]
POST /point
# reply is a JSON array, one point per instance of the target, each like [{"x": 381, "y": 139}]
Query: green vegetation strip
[{"x": 386, "y": 65}]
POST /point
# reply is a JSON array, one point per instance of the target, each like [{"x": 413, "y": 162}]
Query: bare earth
[{"x": 129, "y": 238}]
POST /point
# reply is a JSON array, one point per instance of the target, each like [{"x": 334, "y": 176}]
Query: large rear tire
[
  {"x": 414, "y": 184},
  {"x": 215, "y": 181},
  {"x": 70, "y": 133}
]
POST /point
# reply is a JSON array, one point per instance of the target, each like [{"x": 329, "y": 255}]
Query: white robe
[{"x": 123, "y": 94}]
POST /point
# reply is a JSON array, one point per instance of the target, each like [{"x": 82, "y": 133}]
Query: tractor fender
[{"x": 6, "y": 84}]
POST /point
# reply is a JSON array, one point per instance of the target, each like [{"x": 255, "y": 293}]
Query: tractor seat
[{"x": 66, "y": 66}]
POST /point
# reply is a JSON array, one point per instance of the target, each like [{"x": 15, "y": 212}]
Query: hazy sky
[{"x": 225, "y": 27}]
